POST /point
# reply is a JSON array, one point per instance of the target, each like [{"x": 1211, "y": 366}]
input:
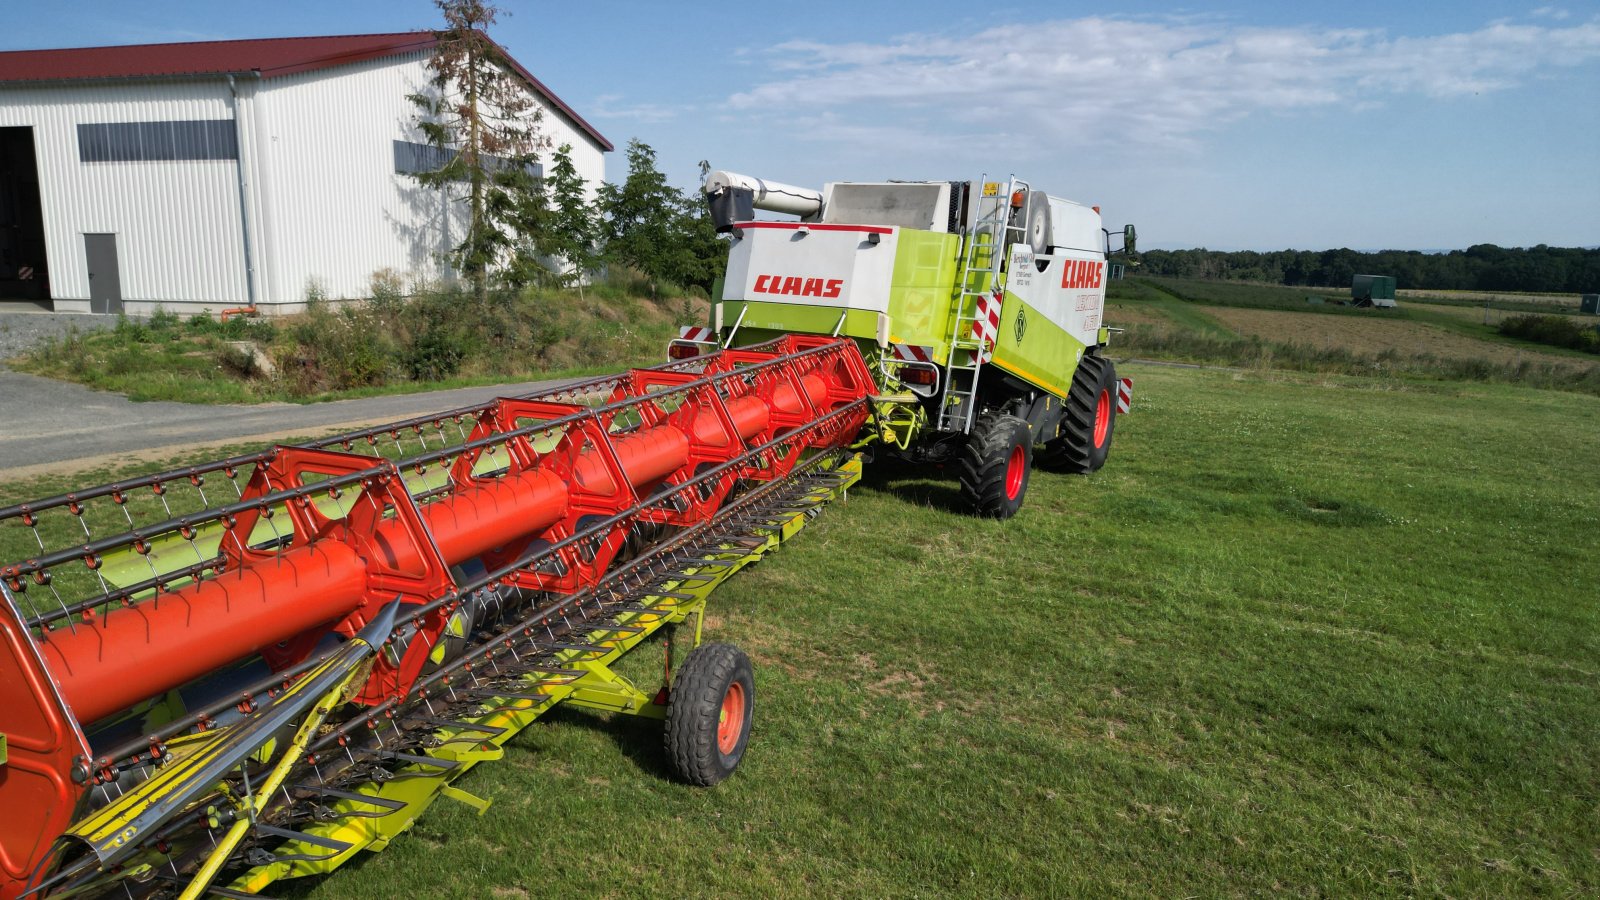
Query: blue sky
[{"x": 1237, "y": 125}]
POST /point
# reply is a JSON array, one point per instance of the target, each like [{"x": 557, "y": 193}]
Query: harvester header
[{"x": 248, "y": 670}]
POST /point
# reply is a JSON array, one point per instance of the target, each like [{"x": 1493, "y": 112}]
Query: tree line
[{"x": 1481, "y": 267}]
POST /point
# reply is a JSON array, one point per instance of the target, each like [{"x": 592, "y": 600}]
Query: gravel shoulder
[
  {"x": 24, "y": 326},
  {"x": 55, "y": 427}
]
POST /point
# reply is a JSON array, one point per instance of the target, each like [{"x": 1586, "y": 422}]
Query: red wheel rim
[
  {"x": 1016, "y": 468},
  {"x": 1102, "y": 418},
  {"x": 730, "y": 722}
]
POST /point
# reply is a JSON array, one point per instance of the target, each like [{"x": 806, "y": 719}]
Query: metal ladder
[{"x": 982, "y": 264}]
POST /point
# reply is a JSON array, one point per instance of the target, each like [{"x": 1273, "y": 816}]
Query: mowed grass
[{"x": 1304, "y": 634}]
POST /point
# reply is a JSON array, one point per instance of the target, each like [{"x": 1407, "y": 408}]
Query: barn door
[{"x": 105, "y": 284}]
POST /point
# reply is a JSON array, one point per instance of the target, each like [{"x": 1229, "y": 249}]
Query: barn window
[
  {"x": 157, "y": 141},
  {"x": 411, "y": 158}
]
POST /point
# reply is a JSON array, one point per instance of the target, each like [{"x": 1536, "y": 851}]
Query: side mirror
[{"x": 1130, "y": 239}]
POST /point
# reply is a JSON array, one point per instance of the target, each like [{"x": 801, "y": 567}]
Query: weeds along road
[{"x": 53, "y": 427}]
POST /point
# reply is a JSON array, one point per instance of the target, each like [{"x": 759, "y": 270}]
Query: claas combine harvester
[{"x": 249, "y": 670}]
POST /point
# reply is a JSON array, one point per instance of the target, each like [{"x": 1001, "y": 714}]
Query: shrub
[{"x": 1555, "y": 331}]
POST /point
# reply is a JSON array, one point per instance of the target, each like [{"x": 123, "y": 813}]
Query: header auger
[{"x": 249, "y": 670}]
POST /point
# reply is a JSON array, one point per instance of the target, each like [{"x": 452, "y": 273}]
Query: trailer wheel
[
  {"x": 708, "y": 714},
  {"x": 1083, "y": 439},
  {"x": 994, "y": 465}
]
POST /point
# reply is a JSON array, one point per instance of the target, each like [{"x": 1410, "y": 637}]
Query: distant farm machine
[{"x": 249, "y": 670}]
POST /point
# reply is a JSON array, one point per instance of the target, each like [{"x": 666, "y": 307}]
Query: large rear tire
[
  {"x": 708, "y": 714},
  {"x": 994, "y": 465},
  {"x": 1083, "y": 439}
]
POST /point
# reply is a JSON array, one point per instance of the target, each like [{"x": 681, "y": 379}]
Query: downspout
[{"x": 244, "y": 211}]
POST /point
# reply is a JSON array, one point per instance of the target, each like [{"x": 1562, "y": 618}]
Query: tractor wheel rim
[
  {"x": 1016, "y": 468},
  {"x": 1102, "y": 418},
  {"x": 730, "y": 721}
]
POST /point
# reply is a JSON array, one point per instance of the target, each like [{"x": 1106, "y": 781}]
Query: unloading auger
[{"x": 218, "y": 677}]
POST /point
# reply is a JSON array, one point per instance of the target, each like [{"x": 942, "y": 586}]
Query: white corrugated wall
[
  {"x": 324, "y": 203},
  {"x": 177, "y": 223},
  {"x": 334, "y": 209}
]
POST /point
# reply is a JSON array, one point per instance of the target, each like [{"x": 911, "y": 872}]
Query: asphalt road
[{"x": 51, "y": 426}]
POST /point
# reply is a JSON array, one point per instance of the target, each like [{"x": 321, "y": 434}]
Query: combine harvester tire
[
  {"x": 708, "y": 722},
  {"x": 1083, "y": 439},
  {"x": 994, "y": 465}
]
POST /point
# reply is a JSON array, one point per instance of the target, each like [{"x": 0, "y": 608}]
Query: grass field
[
  {"x": 1269, "y": 327},
  {"x": 1304, "y": 634},
  {"x": 1307, "y": 633},
  {"x": 1301, "y": 636}
]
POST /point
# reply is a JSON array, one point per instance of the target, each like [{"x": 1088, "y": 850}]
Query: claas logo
[
  {"x": 795, "y": 286},
  {"x": 1081, "y": 273}
]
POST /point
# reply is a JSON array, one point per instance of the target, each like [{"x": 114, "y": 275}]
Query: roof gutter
[{"x": 244, "y": 206}]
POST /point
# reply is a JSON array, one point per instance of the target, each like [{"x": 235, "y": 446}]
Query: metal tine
[
  {"x": 556, "y": 670},
  {"x": 212, "y": 890},
  {"x": 497, "y": 694},
  {"x": 611, "y": 628},
  {"x": 490, "y": 730},
  {"x": 315, "y": 840},
  {"x": 561, "y": 645},
  {"x": 433, "y": 761},
  {"x": 389, "y": 806}
]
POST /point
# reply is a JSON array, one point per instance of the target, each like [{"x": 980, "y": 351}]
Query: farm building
[{"x": 203, "y": 176}]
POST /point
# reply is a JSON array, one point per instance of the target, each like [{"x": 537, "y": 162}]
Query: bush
[{"x": 1555, "y": 331}]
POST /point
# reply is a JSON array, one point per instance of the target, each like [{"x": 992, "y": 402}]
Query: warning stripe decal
[
  {"x": 986, "y": 328},
  {"x": 697, "y": 334},
  {"x": 913, "y": 353},
  {"x": 1124, "y": 395}
]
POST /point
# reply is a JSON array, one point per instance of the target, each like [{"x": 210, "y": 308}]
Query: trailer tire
[
  {"x": 994, "y": 465},
  {"x": 1083, "y": 438},
  {"x": 708, "y": 714}
]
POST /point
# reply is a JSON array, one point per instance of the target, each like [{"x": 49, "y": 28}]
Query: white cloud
[
  {"x": 615, "y": 106},
  {"x": 1092, "y": 81},
  {"x": 1551, "y": 12}
]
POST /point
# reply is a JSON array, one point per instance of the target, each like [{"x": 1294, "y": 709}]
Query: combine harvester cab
[{"x": 979, "y": 305}]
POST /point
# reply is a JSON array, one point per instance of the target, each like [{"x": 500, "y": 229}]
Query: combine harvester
[
  {"x": 978, "y": 304},
  {"x": 249, "y": 670}
]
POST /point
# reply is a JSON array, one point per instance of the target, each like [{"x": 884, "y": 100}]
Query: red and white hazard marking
[
  {"x": 913, "y": 353},
  {"x": 1124, "y": 395},
  {"x": 986, "y": 329},
  {"x": 696, "y": 334},
  {"x": 25, "y": 273}
]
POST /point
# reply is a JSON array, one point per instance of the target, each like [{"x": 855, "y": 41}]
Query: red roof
[{"x": 270, "y": 57}]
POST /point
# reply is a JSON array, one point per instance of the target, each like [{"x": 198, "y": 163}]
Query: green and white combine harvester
[
  {"x": 980, "y": 304},
  {"x": 253, "y": 669}
]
